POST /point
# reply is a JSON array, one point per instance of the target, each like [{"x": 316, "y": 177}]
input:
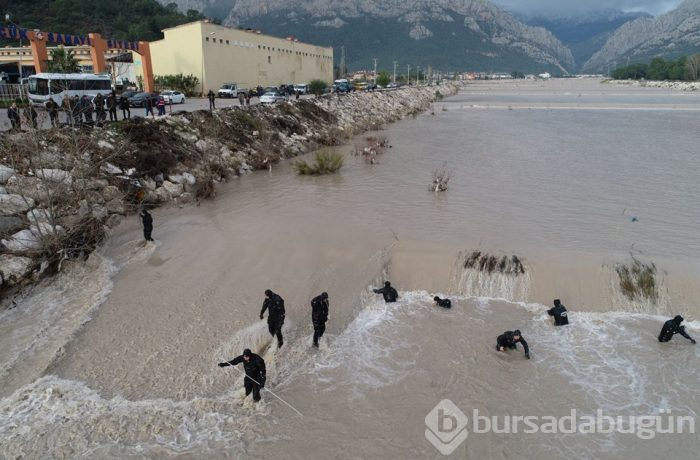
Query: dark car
[
  {"x": 139, "y": 100},
  {"x": 342, "y": 88},
  {"x": 128, "y": 94}
]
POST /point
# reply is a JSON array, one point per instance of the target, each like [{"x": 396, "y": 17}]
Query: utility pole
[
  {"x": 395, "y": 62},
  {"x": 408, "y": 75},
  {"x": 343, "y": 70},
  {"x": 375, "y": 71}
]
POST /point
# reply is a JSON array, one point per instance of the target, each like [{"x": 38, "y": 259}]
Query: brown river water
[{"x": 117, "y": 358}]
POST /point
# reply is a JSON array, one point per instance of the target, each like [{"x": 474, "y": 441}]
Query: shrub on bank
[
  {"x": 325, "y": 162},
  {"x": 317, "y": 87}
]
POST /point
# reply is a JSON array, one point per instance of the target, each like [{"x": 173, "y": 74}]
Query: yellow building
[{"x": 218, "y": 55}]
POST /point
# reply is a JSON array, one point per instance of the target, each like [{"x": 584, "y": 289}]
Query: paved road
[{"x": 190, "y": 105}]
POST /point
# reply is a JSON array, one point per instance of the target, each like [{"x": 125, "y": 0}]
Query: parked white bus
[{"x": 58, "y": 86}]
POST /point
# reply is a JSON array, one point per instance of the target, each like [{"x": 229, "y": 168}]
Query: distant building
[
  {"x": 120, "y": 64},
  {"x": 218, "y": 55}
]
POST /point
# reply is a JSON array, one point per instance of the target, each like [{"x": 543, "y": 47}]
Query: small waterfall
[{"x": 479, "y": 274}]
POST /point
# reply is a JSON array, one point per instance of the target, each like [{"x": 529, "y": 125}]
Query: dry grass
[{"x": 638, "y": 280}]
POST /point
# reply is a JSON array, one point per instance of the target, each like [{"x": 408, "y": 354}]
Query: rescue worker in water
[{"x": 255, "y": 374}]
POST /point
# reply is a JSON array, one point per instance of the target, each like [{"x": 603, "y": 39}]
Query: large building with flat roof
[{"x": 216, "y": 55}]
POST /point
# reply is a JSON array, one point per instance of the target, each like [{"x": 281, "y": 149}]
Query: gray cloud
[{"x": 577, "y": 6}]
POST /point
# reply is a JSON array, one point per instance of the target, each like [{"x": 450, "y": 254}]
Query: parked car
[
  {"x": 173, "y": 97},
  {"x": 270, "y": 89},
  {"x": 301, "y": 88},
  {"x": 360, "y": 85},
  {"x": 228, "y": 90},
  {"x": 342, "y": 87},
  {"x": 393, "y": 85},
  {"x": 128, "y": 94},
  {"x": 139, "y": 99},
  {"x": 271, "y": 98}
]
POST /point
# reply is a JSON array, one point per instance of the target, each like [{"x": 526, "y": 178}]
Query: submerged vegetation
[
  {"x": 489, "y": 263},
  {"x": 326, "y": 161},
  {"x": 441, "y": 179},
  {"x": 638, "y": 280}
]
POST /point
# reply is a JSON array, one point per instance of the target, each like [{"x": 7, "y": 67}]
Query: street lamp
[
  {"x": 394, "y": 80},
  {"x": 19, "y": 53}
]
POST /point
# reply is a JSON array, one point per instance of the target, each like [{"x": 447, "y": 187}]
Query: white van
[{"x": 228, "y": 90}]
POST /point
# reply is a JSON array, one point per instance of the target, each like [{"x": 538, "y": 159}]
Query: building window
[
  {"x": 269, "y": 59},
  {"x": 227, "y": 42},
  {"x": 207, "y": 38}
]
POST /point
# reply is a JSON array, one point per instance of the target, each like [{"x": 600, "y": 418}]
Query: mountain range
[
  {"x": 445, "y": 34},
  {"x": 671, "y": 35}
]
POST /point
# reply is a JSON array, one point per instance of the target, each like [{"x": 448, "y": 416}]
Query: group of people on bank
[
  {"x": 254, "y": 365},
  {"x": 78, "y": 111}
]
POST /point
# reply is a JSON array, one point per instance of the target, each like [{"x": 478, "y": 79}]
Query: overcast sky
[{"x": 562, "y": 6}]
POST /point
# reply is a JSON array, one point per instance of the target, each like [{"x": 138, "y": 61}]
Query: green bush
[
  {"x": 325, "y": 162},
  {"x": 383, "y": 79},
  {"x": 317, "y": 87},
  {"x": 185, "y": 83}
]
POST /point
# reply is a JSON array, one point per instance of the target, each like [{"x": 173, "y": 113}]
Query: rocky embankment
[
  {"x": 61, "y": 190},
  {"x": 677, "y": 85}
]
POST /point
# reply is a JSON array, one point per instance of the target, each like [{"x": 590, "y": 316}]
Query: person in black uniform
[
  {"x": 444, "y": 303},
  {"x": 275, "y": 318},
  {"x": 112, "y": 106},
  {"x": 52, "y": 109},
  {"x": 389, "y": 293},
  {"x": 561, "y": 317},
  {"x": 147, "y": 220},
  {"x": 255, "y": 373},
  {"x": 509, "y": 340},
  {"x": 673, "y": 327},
  {"x": 319, "y": 315},
  {"x": 124, "y": 105},
  {"x": 13, "y": 115}
]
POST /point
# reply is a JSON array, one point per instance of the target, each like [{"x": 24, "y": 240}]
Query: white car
[
  {"x": 271, "y": 98},
  {"x": 173, "y": 97},
  {"x": 301, "y": 89}
]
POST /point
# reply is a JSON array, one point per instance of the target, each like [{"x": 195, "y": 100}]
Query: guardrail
[{"x": 11, "y": 92}]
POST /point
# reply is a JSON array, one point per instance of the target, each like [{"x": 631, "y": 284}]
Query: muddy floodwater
[{"x": 555, "y": 184}]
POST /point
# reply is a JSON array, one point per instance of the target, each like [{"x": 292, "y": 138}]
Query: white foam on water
[
  {"x": 68, "y": 419},
  {"x": 616, "y": 359},
  {"x": 34, "y": 332},
  {"x": 367, "y": 352}
]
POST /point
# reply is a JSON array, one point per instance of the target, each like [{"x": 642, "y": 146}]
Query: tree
[
  {"x": 317, "y": 87},
  {"x": 383, "y": 79},
  {"x": 692, "y": 66},
  {"x": 658, "y": 69},
  {"x": 185, "y": 83},
  {"x": 63, "y": 61}
]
